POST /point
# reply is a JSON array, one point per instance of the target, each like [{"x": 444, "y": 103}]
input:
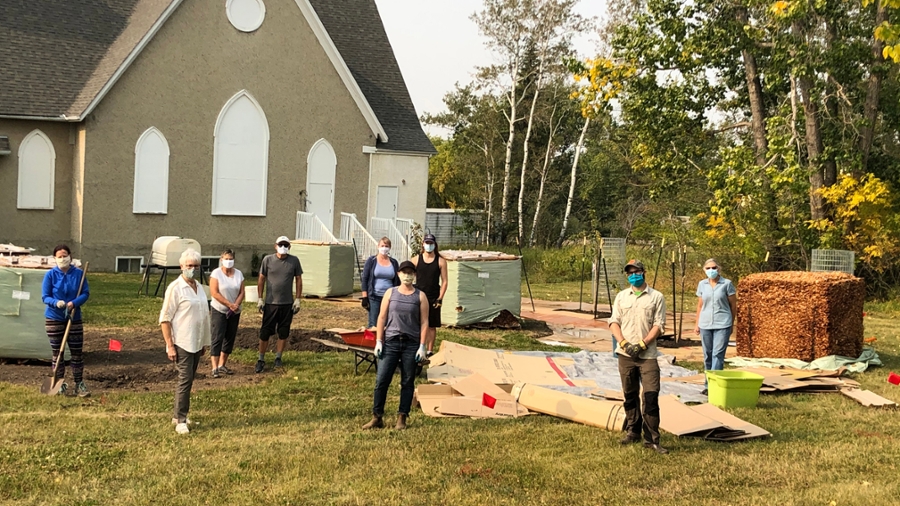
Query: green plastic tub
[{"x": 733, "y": 389}]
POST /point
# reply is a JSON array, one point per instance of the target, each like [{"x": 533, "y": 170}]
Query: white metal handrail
[
  {"x": 352, "y": 230},
  {"x": 311, "y": 228},
  {"x": 384, "y": 227},
  {"x": 405, "y": 226}
]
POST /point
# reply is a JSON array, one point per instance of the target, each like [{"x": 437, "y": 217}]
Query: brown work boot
[
  {"x": 376, "y": 423},
  {"x": 401, "y": 422}
]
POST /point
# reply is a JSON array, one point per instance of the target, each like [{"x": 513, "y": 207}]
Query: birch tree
[
  {"x": 554, "y": 25},
  {"x": 507, "y": 26}
]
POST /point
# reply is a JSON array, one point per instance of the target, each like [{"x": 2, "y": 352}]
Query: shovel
[{"x": 50, "y": 385}]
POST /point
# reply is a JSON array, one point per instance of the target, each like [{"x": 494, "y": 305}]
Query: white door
[
  {"x": 386, "y": 202},
  {"x": 321, "y": 167}
]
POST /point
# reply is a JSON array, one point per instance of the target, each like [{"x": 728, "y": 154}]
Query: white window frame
[
  {"x": 265, "y": 187},
  {"x": 217, "y": 258},
  {"x": 164, "y": 183},
  {"x": 23, "y": 177},
  {"x": 141, "y": 270}
]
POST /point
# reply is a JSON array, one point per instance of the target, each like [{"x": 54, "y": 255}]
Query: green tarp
[
  {"x": 327, "y": 268},
  {"x": 22, "y": 334},
  {"x": 829, "y": 363},
  {"x": 478, "y": 290}
]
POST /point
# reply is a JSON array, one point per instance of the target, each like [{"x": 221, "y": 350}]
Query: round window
[{"x": 245, "y": 15}]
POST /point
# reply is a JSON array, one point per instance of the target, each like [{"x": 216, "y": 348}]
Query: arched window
[
  {"x": 37, "y": 171},
  {"x": 241, "y": 158},
  {"x": 320, "y": 170},
  {"x": 151, "y": 173}
]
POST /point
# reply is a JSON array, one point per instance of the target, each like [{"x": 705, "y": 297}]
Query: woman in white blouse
[
  {"x": 226, "y": 287},
  {"x": 184, "y": 319}
]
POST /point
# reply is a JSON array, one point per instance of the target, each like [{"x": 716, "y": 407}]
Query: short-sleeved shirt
[
  {"x": 280, "y": 274},
  {"x": 384, "y": 278},
  {"x": 715, "y": 312},
  {"x": 637, "y": 314},
  {"x": 229, "y": 287},
  {"x": 188, "y": 313}
]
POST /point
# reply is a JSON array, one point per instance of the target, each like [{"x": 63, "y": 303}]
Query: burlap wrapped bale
[{"x": 801, "y": 315}]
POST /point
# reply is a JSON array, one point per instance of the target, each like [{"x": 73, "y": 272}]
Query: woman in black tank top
[{"x": 431, "y": 278}]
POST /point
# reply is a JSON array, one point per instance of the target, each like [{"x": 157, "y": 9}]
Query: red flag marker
[
  {"x": 115, "y": 345},
  {"x": 487, "y": 400}
]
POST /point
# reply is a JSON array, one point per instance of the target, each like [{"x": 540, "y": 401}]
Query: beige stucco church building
[{"x": 218, "y": 120}]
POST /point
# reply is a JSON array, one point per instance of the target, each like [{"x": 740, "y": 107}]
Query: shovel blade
[{"x": 51, "y": 386}]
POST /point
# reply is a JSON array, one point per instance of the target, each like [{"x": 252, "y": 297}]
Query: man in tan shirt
[{"x": 638, "y": 318}]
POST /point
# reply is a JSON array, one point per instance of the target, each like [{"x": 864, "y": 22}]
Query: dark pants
[
  {"x": 55, "y": 331},
  {"x": 374, "y": 309},
  {"x": 223, "y": 330},
  {"x": 396, "y": 352},
  {"x": 634, "y": 373},
  {"x": 186, "y": 363}
]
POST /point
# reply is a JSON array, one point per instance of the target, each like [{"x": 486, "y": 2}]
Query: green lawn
[{"x": 295, "y": 440}]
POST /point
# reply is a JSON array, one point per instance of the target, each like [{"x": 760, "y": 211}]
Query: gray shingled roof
[
  {"x": 356, "y": 28},
  {"x": 60, "y": 53}
]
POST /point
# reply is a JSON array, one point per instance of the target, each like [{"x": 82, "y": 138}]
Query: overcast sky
[{"x": 437, "y": 45}]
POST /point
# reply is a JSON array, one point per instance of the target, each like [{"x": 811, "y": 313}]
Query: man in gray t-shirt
[{"x": 278, "y": 274}]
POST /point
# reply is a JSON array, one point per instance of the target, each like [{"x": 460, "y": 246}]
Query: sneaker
[
  {"x": 226, "y": 370},
  {"x": 278, "y": 364},
  {"x": 215, "y": 373},
  {"x": 82, "y": 390},
  {"x": 182, "y": 428},
  {"x": 260, "y": 366},
  {"x": 655, "y": 447},
  {"x": 187, "y": 421},
  {"x": 64, "y": 389}
]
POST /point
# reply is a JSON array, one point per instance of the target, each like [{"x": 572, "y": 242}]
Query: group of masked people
[{"x": 403, "y": 301}]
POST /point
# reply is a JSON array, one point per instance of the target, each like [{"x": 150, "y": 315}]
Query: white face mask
[
  {"x": 187, "y": 273},
  {"x": 283, "y": 250},
  {"x": 63, "y": 262},
  {"x": 407, "y": 278},
  {"x": 384, "y": 250},
  {"x": 228, "y": 264},
  {"x": 429, "y": 247}
]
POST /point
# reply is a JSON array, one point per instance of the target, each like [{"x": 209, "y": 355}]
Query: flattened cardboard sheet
[
  {"x": 455, "y": 361},
  {"x": 475, "y": 385},
  {"x": 475, "y": 408},
  {"x": 704, "y": 421},
  {"x": 867, "y": 398}
]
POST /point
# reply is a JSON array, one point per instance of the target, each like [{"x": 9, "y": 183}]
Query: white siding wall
[{"x": 409, "y": 173}]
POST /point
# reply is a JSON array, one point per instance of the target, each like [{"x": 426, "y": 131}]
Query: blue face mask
[
  {"x": 636, "y": 279},
  {"x": 712, "y": 273}
]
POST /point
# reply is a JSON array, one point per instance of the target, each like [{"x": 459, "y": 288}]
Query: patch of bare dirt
[{"x": 142, "y": 365}]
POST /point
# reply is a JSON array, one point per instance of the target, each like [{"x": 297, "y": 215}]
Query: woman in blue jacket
[
  {"x": 380, "y": 273},
  {"x": 59, "y": 294}
]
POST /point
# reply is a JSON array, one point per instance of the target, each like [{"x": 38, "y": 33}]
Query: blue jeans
[
  {"x": 374, "y": 309},
  {"x": 396, "y": 352},
  {"x": 715, "y": 342}
]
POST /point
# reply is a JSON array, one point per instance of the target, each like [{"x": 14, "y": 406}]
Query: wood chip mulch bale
[{"x": 800, "y": 315}]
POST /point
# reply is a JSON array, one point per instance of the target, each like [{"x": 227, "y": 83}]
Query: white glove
[
  {"x": 296, "y": 307},
  {"x": 260, "y": 304},
  {"x": 60, "y": 304},
  {"x": 379, "y": 349},
  {"x": 421, "y": 353}
]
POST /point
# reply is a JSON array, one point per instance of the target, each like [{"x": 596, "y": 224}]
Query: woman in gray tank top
[{"x": 402, "y": 328}]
